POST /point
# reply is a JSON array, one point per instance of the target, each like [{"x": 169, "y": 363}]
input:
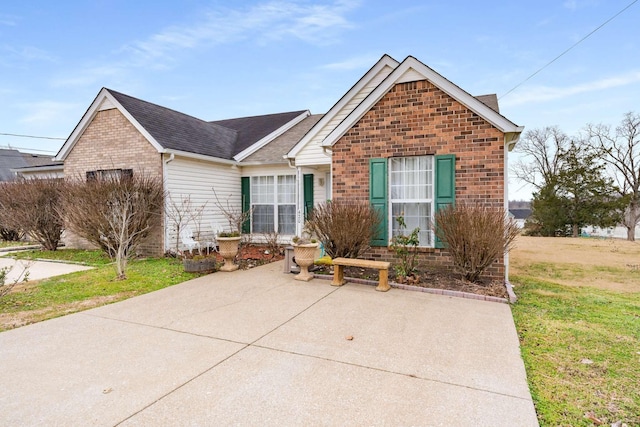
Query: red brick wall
[
  {"x": 417, "y": 119},
  {"x": 112, "y": 142}
]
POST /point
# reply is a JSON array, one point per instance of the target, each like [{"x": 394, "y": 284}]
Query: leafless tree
[
  {"x": 116, "y": 213},
  {"x": 542, "y": 162},
  {"x": 180, "y": 212},
  {"x": 620, "y": 149},
  {"x": 34, "y": 206}
]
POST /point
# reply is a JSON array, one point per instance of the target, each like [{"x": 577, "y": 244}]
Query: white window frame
[
  {"x": 275, "y": 200},
  {"x": 426, "y": 235}
]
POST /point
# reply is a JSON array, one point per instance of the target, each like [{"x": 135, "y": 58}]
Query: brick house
[
  {"x": 403, "y": 138},
  {"x": 410, "y": 141}
]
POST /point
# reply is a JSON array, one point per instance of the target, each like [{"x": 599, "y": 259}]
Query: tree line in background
[{"x": 591, "y": 179}]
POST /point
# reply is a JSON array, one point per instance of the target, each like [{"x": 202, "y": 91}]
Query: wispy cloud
[
  {"x": 267, "y": 22},
  {"x": 47, "y": 112},
  {"x": 536, "y": 94},
  {"x": 272, "y": 21},
  {"x": 8, "y": 20},
  {"x": 353, "y": 63}
]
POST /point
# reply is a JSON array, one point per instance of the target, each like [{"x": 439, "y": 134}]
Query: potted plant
[
  {"x": 195, "y": 262},
  {"x": 228, "y": 243},
  {"x": 304, "y": 254}
]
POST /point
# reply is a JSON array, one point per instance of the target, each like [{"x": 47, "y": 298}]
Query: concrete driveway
[{"x": 256, "y": 347}]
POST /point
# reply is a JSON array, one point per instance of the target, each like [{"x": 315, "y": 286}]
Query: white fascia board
[
  {"x": 39, "y": 168},
  {"x": 200, "y": 157},
  {"x": 88, "y": 117},
  {"x": 385, "y": 61},
  {"x": 273, "y": 135},
  {"x": 500, "y": 122}
]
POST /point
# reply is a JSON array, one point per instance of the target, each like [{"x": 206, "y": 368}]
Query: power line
[
  {"x": 571, "y": 47},
  {"x": 38, "y": 137},
  {"x": 11, "y": 147}
]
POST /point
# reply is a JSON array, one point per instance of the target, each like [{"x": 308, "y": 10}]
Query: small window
[{"x": 109, "y": 174}]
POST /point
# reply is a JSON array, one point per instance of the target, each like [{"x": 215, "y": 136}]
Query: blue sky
[{"x": 221, "y": 59}]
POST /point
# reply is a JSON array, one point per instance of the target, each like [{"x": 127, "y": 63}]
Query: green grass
[
  {"x": 92, "y": 258},
  {"x": 73, "y": 292},
  {"x": 9, "y": 244},
  {"x": 560, "y": 328}
]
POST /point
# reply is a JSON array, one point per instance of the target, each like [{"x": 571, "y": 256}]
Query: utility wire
[
  {"x": 571, "y": 47},
  {"x": 30, "y": 150},
  {"x": 37, "y": 137}
]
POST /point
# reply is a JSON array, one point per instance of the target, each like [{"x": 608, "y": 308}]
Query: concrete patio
[{"x": 256, "y": 347}]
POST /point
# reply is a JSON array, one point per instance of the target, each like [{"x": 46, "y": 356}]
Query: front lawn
[
  {"x": 36, "y": 301},
  {"x": 580, "y": 344}
]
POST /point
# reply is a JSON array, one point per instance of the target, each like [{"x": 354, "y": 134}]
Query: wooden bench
[{"x": 381, "y": 266}]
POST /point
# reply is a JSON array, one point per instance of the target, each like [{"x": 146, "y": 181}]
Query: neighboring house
[
  {"x": 403, "y": 138},
  {"x": 13, "y": 160},
  {"x": 520, "y": 211}
]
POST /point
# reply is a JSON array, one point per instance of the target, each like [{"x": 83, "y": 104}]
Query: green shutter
[
  {"x": 307, "y": 181},
  {"x": 378, "y": 198},
  {"x": 245, "y": 191},
  {"x": 445, "y": 171}
]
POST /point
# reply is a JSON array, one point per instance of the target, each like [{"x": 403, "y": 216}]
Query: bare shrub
[
  {"x": 272, "y": 241},
  {"x": 180, "y": 213},
  {"x": 34, "y": 206},
  {"x": 345, "y": 229},
  {"x": 116, "y": 213},
  {"x": 10, "y": 235},
  {"x": 475, "y": 236},
  {"x": 23, "y": 276}
]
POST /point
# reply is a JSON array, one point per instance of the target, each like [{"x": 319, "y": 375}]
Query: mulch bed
[
  {"x": 434, "y": 278},
  {"x": 253, "y": 255}
]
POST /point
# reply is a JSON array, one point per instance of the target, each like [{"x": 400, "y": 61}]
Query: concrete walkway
[
  {"x": 256, "y": 347},
  {"x": 38, "y": 269}
]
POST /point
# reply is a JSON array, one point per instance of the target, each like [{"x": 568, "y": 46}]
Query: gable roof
[
  {"x": 172, "y": 131},
  {"x": 342, "y": 106},
  {"x": 412, "y": 69},
  {"x": 273, "y": 153},
  {"x": 11, "y": 160}
]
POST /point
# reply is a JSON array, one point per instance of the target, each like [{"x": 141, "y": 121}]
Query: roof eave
[
  {"x": 384, "y": 61},
  {"x": 496, "y": 119}
]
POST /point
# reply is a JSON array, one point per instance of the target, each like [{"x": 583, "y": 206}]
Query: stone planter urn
[
  {"x": 304, "y": 254},
  {"x": 228, "y": 249}
]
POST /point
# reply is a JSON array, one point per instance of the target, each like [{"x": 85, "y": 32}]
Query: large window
[
  {"x": 411, "y": 195},
  {"x": 273, "y": 199}
]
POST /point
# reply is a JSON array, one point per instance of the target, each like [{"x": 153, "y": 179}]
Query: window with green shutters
[{"x": 414, "y": 187}]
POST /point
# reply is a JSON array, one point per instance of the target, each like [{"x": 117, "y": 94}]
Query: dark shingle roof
[
  {"x": 254, "y": 128},
  {"x": 178, "y": 131},
  {"x": 520, "y": 213},
  {"x": 273, "y": 152},
  {"x": 14, "y": 159}
]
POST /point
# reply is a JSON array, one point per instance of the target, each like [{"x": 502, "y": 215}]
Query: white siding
[
  {"x": 42, "y": 175},
  {"x": 312, "y": 153},
  {"x": 197, "y": 179}
]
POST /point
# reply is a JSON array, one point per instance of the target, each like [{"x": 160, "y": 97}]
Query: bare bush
[
  {"x": 181, "y": 213},
  {"x": 10, "y": 235},
  {"x": 345, "y": 229},
  {"x": 475, "y": 236},
  {"x": 116, "y": 213},
  {"x": 34, "y": 206}
]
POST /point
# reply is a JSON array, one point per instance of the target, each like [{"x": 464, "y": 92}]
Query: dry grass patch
[{"x": 608, "y": 264}]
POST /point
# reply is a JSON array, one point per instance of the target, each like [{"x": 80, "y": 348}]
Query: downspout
[
  {"x": 300, "y": 190},
  {"x": 166, "y": 202}
]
